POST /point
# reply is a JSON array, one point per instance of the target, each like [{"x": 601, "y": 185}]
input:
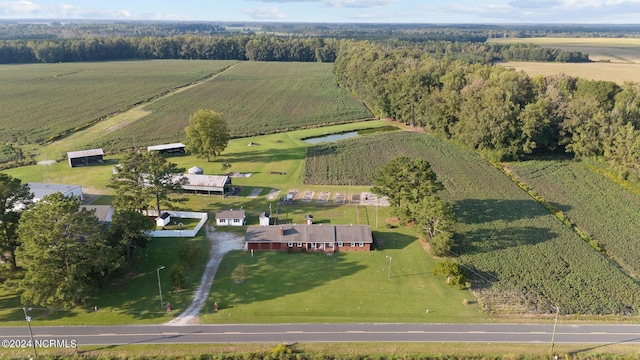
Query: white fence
[{"x": 180, "y": 233}]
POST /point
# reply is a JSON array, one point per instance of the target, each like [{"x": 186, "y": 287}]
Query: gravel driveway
[{"x": 221, "y": 243}]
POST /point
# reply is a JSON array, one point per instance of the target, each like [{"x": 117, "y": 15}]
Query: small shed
[
  {"x": 231, "y": 218},
  {"x": 196, "y": 170},
  {"x": 85, "y": 157},
  {"x": 264, "y": 219},
  {"x": 169, "y": 149},
  {"x": 163, "y": 219}
]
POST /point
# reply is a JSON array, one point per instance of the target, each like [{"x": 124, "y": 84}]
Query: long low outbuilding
[
  {"x": 170, "y": 149},
  {"x": 85, "y": 157},
  {"x": 318, "y": 237},
  {"x": 207, "y": 184}
]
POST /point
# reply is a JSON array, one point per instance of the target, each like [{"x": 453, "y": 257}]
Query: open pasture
[
  {"x": 523, "y": 259},
  {"x": 255, "y": 98},
  {"x": 41, "y": 101},
  {"x": 608, "y": 213}
]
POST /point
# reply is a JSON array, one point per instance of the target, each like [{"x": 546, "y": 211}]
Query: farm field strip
[
  {"x": 618, "y": 73},
  {"x": 42, "y": 100},
  {"x": 523, "y": 258},
  {"x": 83, "y": 139},
  {"x": 626, "y": 50},
  {"x": 608, "y": 213},
  {"x": 255, "y": 98}
]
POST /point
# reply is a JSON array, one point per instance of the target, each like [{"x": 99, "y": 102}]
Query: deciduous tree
[
  {"x": 207, "y": 134},
  {"x": 456, "y": 275},
  {"x": 402, "y": 179}
]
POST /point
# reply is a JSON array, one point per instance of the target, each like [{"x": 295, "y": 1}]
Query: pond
[{"x": 347, "y": 135}]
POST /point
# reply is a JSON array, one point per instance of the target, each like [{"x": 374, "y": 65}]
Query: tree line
[
  {"x": 255, "y": 47},
  {"x": 503, "y": 113}
]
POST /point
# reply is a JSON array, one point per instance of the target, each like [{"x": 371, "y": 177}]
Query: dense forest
[
  {"x": 254, "y": 47},
  {"x": 498, "y": 111}
]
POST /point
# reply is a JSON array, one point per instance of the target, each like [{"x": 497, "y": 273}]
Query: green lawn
[
  {"x": 343, "y": 287},
  {"x": 134, "y": 298}
]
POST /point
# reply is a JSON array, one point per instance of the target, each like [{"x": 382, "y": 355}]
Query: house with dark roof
[{"x": 301, "y": 238}]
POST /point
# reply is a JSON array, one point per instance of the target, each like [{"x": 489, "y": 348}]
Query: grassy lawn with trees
[{"x": 135, "y": 297}]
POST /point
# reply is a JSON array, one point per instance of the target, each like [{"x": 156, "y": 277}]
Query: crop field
[
  {"x": 255, "y": 98},
  {"x": 618, "y": 73},
  {"x": 608, "y": 213},
  {"x": 620, "y": 50},
  {"x": 355, "y": 161},
  {"x": 617, "y": 60},
  {"x": 523, "y": 259},
  {"x": 43, "y": 100}
]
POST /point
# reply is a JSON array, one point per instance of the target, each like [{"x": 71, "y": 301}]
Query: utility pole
[
  {"x": 553, "y": 337},
  {"x": 159, "y": 287},
  {"x": 28, "y": 318}
]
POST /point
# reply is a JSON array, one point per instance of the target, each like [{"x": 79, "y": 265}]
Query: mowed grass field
[
  {"x": 42, "y": 100},
  {"x": 616, "y": 59}
]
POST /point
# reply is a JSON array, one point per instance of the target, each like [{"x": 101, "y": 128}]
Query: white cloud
[
  {"x": 22, "y": 8},
  {"x": 265, "y": 13},
  {"x": 358, "y": 3},
  {"x": 75, "y": 12},
  {"x": 339, "y": 3},
  {"x": 28, "y": 9},
  {"x": 537, "y": 11}
]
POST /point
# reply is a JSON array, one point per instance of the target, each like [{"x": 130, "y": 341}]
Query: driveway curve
[{"x": 221, "y": 243}]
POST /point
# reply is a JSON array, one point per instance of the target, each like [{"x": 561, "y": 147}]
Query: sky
[{"x": 334, "y": 11}]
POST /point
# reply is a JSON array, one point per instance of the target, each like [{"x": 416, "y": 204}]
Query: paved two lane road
[{"x": 289, "y": 333}]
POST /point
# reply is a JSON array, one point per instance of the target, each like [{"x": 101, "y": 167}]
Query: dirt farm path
[{"x": 221, "y": 243}]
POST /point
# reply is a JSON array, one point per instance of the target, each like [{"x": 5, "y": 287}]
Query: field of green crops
[
  {"x": 40, "y": 101},
  {"x": 523, "y": 258},
  {"x": 255, "y": 98},
  {"x": 610, "y": 214}
]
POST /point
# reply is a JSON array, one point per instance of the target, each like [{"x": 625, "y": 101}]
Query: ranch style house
[{"x": 302, "y": 238}]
